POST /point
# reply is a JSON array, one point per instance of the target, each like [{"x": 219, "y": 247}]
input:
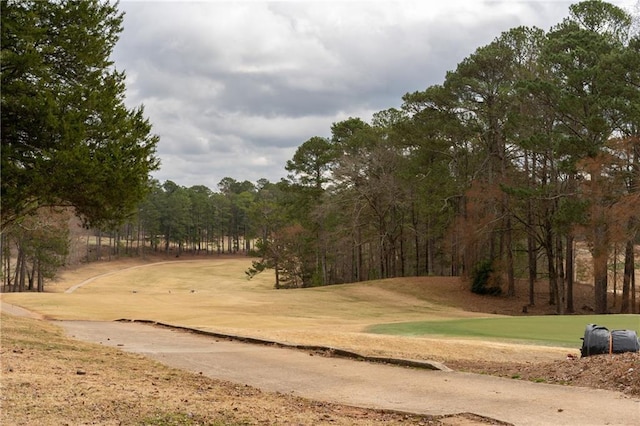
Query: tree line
[{"x": 530, "y": 146}]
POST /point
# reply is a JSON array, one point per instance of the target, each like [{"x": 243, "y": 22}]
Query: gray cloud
[{"x": 233, "y": 88}]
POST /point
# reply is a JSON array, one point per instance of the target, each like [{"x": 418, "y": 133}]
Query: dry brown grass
[
  {"x": 214, "y": 295},
  {"x": 49, "y": 379}
]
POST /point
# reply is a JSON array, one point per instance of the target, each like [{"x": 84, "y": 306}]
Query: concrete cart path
[{"x": 365, "y": 384}]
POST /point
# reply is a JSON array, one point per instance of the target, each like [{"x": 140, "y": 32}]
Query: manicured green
[{"x": 546, "y": 330}]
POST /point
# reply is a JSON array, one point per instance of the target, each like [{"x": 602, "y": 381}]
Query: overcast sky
[{"x": 233, "y": 88}]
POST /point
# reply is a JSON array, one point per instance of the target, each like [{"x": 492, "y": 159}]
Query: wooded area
[
  {"x": 529, "y": 147},
  {"x": 68, "y": 140}
]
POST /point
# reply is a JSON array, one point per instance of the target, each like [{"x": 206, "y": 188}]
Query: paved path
[{"x": 365, "y": 384}]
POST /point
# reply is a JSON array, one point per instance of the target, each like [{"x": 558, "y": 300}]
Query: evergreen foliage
[
  {"x": 481, "y": 278},
  {"x": 67, "y": 137}
]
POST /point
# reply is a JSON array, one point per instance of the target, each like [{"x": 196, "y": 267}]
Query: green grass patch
[{"x": 546, "y": 330}]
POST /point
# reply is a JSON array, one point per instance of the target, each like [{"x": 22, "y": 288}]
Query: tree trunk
[
  {"x": 430, "y": 255},
  {"x": 416, "y": 239},
  {"x": 553, "y": 279},
  {"x": 40, "y": 278},
  {"x": 615, "y": 275},
  {"x": 402, "y": 259},
  {"x": 360, "y": 257},
  {"x": 561, "y": 277},
  {"x": 23, "y": 271},
  {"x": 16, "y": 274},
  {"x": 276, "y": 268},
  {"x": 600, "y": 284},
  {"x": 511, "y": 282},
  {"x": 355, "y": 265},
  {"x": 532, "y": 255},
  {"x": 6, "y": 261},
  {"x": 128, "y": 242},
  {"x": 116, "y": 244},
  {"x": 600, "y": 251},
  {"x": 533, "y": 264},
  {"x": 167, "y": 237},
  {"x": 140, "y": 238},
  {"x": 99, "y": 248},
  {"x": 382, "y": 248},
  {"x": 629, "y": 271},
  {"x": 600, "y": 279},
  {"x": 569, "y": 274},
  {"x": 428, "y": 264},
  {"x": 31, "y": 275},
  {"x": 635, "y": 308}
]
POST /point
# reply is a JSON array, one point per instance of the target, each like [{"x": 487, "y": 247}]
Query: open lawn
[
  {"x": 374, "y": 318},
  {"x": 545, "y": 330}
]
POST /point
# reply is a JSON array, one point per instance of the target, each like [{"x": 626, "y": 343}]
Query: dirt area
[{"x": 619, "y": 372}]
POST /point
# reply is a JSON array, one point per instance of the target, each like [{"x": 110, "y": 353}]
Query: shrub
[{"x": 481, "y": 278}]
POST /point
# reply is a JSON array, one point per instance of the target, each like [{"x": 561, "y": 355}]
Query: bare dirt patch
[{"x": 617, "y": 372}]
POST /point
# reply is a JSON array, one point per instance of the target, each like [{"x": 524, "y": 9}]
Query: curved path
[
  {"x": 363, "y": 384},
  {"x": 106, "y": 274}
]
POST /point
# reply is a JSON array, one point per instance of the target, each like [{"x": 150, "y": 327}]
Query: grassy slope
[{"x": 214, "y": 294}]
